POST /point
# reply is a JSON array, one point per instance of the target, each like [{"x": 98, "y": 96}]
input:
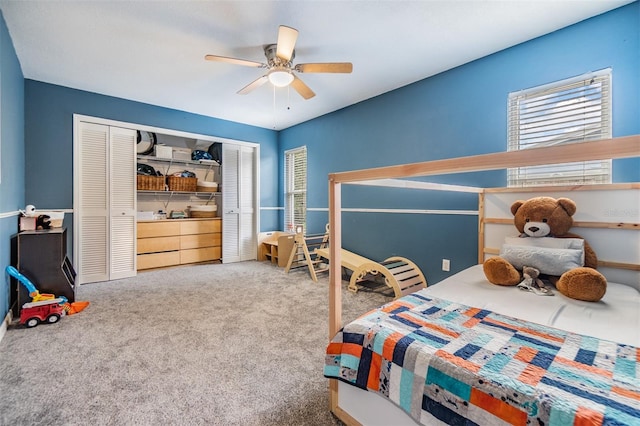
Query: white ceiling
[{"x": 153, "y": 51}]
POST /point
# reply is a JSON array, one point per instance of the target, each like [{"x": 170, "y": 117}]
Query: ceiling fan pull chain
[{"x": 274, "y": 107}]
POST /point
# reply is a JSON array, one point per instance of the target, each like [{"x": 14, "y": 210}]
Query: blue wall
[
  {"x": 11, "y": 152},
  {"x": 457, "y": 113},
  {"x": 49, "y": 140}
]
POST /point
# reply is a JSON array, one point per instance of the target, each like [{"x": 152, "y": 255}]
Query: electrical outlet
[{"x": 445, "y": 264}]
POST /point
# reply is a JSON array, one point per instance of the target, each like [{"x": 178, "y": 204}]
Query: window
[
  {"x": 295, "y": 180},
  {"x": 568, "y": 111}
]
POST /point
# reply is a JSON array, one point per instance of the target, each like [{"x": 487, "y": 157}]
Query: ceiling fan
[{"x": 281, "y": 71}]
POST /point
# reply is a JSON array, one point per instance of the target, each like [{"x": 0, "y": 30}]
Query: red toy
[
  {"x": 49, "y": 311},
  {"x": 43, "y": 307}
]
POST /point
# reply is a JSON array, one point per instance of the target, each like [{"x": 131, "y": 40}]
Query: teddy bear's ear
[
  {"x": 568, "y": 205},
  {"x": 515, "y": 206}
]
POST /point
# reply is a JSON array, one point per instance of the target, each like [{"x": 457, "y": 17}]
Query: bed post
[
  {"x": 481, "y": 227},
  {"x": 335, "y": 274}
]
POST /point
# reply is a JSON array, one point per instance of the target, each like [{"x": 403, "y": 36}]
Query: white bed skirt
[{"x": 371, "y": 409}]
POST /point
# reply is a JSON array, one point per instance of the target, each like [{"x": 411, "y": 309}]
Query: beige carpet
[{"x": 235, "y": 344}]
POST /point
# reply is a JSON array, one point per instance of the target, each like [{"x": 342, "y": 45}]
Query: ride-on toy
[
  {"x": 49, "y": 311},
  {"x": 43, "y": 307}
]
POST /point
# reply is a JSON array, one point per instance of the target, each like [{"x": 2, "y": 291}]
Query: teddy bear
[{"x": 537, "y": 219}]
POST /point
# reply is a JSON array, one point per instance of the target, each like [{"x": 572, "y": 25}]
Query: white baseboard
[{"x": 5, "y": 324}]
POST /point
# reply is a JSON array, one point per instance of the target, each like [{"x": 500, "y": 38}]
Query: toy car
[{"x": 48, "y": 311}]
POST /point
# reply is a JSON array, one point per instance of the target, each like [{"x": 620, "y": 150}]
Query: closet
[{"x": 108, "y": 204}]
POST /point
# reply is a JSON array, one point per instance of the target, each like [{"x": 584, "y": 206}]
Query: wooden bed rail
[
  {"x": 622, "y": 147},
  {"x": 576, "y": 224}
]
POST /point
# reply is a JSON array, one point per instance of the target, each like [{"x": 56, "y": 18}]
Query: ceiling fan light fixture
[{"x": 280, "y": 77}]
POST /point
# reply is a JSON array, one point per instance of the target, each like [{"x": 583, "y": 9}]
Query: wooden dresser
[{"x": 178, "y": 241}]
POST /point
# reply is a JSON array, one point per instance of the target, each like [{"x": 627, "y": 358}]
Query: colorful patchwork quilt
[{"x": 469, "y": 366}]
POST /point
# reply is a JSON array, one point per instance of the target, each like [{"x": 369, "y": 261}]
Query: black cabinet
[{"x": 41, "y": 256}]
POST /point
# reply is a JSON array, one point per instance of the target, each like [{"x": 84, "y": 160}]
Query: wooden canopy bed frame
[{"x": 492, "y": 224}]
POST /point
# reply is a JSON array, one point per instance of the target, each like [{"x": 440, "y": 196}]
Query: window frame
[
  {"x": 581, "y": 92},
  {"x": 293, "y": 194}
]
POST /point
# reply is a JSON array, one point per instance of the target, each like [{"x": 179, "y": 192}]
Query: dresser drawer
[
  {"x": 158, "y": 260},
  {"x": 200, "y": 227},
  {"x": 157, "y": 244},
  {"x": 200, "y": 254},
  {"x": 200, "y": 240},
  {"x": 158, "y": 229},
  {"x": 180, "y": 241}
]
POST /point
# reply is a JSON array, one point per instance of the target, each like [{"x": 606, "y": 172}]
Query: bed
[{"x": 464, "y": 351}]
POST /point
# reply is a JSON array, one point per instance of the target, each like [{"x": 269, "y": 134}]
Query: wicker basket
[
  {"x": 207, "y": 186},
  {"x": 203, "y": 211},
  {"x": 183, "y": 184},
  {"x": 150, "y": 183},
  {"x": 202, "y": 214}
]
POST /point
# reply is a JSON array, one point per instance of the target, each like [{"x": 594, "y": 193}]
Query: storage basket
[
  {"x": 150, "y": 183},
  {"x": 184, "y": 184},
  {"x": 202, "y": 214},
  {"x": 204, "y": 186},
  {"x": 203, "y": 211}
]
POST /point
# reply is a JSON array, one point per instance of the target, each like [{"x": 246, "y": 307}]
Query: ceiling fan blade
[
  {"x": 287, "y": 37},
  {"x": 235, "y": 61},
  {"x": 253, "y": 85},
  {"x": 302, "y": 88},
  {"x": 334, "y": 67}
]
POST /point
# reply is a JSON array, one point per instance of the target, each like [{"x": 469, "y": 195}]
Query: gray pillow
[
  {"x": 561, "y": 243},
  {"x": 550, "y": 261}
]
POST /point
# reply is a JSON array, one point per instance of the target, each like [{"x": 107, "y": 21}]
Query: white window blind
[
  {"x": 295, "y": 177},
  {"x": 568, "y": 111}
]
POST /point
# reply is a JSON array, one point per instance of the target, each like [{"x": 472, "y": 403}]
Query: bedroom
[{"x": 392, "y": 127}]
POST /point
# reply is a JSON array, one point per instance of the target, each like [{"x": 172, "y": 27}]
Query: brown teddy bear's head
[{"x": 543, "y": 216}]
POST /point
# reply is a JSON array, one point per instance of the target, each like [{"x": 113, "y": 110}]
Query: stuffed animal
[
  {"x": 546, "y": 244},
  {"x": 43, "y": 222},
  {"x": 531, "y": 282}
]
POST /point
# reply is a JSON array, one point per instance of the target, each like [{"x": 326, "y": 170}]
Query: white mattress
[{"x": 616, "y": 317}]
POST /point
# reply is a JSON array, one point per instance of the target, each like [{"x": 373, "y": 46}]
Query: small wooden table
[{"x": 276, "y": 247}]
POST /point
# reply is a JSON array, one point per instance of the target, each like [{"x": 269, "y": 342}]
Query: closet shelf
[
  {"x": 168, "y": 195},
  {"x": 167, "y": 163},
  {"x": 211, "y": 163},
  {"x": 197, "y": 194}
]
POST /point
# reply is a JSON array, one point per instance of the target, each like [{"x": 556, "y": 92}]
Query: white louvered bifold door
[
  {"x": 123, "y": 203},
  {"x": 238, "y": 203},
  {"x": 92, "y": 205},
  {"x": 230, "y": 203},
  {"x": 105, "y": 208},
  {"x": 247, "y": 229}
]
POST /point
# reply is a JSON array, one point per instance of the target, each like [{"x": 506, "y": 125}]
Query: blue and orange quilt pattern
[{"x": 465, "y": 365}]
